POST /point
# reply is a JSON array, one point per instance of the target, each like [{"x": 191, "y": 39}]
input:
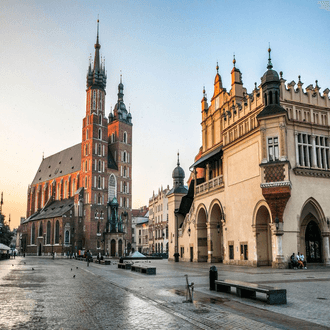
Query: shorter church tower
[{"x": 120, "y": 152}]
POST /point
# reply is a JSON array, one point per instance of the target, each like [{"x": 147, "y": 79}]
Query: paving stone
[{"x": 105, "y": 297}]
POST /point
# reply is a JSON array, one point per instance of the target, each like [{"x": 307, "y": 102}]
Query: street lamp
[
  {"x": 189, "y": 231},
  {"x": 277, "y": 222},
  {"x": 218, "y": 227}
]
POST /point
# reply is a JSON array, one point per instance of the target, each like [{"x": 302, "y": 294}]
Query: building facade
[
  {"x": 139, "y": 217},
  {"x": 260, "y": 183},
  {"x": 80, "y": 198},
  {"x": 158, "y": 221}
]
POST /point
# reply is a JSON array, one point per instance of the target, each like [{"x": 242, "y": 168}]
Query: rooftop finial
[
  {"x": 299, "y": 81},
  {"x": 217, "y": 67},
  {"x": 270, "y": 65},
  {"x": 98, "y": 22},
  {"x": 178, "y": 159},
  {"x": 234, "y": 60},
  {"x": 121, "y": 77}
]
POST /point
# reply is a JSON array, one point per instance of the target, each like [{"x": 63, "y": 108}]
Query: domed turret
[
  {"x": 178, "y": 175},
  {"x": 120, "y": 111},
  {"x": 270, "y": 84}
]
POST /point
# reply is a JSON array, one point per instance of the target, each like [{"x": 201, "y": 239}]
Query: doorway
[
  {"x": 191, "y": 254},
  {"x": 113, "y": 248},
  {"x": 313, "y": 242}
]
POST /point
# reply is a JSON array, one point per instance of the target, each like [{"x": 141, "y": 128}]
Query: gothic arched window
[
  {"x": 33, "y": 234},
  {"x": 40, "y": 230},
  {"x": 100, "y": 134},
  {"x": 125, "y": 137},
  {"x": 48, "y": 232},
  {"x": 112, "y": 190},
  {"x": 57, "y": 232},
  {"x": 67, "y": 237}
]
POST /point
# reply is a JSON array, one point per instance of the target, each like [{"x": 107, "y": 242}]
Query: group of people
[{"x": 298, "y": 261}]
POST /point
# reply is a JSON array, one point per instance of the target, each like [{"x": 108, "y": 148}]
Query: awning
[{"x": 201, "y": 162}]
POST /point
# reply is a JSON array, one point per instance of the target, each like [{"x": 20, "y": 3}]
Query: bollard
[{"x": 213, "y": 277}]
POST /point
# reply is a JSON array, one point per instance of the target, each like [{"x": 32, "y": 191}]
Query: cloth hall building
[
  {"x": 260, "y": 183},
  {"x": 80, "y": 198}
]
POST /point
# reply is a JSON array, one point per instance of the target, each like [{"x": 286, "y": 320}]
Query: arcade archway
[
  {"x": 201, "y": 235},
  {"x": 263, "y": 237}
]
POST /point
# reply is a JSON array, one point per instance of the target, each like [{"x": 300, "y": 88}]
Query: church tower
[
  {"x": 120, "y": 148},
  {"x": 94, "y": 152}
]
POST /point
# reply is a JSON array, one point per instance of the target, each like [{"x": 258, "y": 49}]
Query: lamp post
[
  {"x": 277, "y": 222},
  {"x": 218, "y": 227}
]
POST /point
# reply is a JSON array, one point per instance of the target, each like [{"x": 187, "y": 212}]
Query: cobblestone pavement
[{"x": 105, "y": 297}]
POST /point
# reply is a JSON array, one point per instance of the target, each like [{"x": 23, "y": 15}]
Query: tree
[{"x": 5, "y": 234}]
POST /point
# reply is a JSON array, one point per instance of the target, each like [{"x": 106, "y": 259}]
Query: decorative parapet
[
  {"x": 276, "y": 184},
  {"x": 216, "y": 183}
]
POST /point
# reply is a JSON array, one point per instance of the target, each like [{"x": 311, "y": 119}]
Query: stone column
[
  {"x": 313, "y": 152},
  {"x": 296, "y": 146},
  {"x": 209, "y": 243},
  {"x": 279, "y": 259},
  {"x": 326, "y": 253}
]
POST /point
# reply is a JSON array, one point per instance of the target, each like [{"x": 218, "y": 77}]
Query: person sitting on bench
[
  {"x": 294, "y": 262},
  {"x": 302, "y": 260}
]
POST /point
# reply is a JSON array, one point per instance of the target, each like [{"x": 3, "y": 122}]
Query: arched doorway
[
  {"x": 201, "y": 235},
  {"x": 113, "y": 248},
  {"x": 263, "y": 237},
  {"x": 215, "y": 244},
  {"x": 313, "y": 242},
  {"x": 120, "y": 248}
]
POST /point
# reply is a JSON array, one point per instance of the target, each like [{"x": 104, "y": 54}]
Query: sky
[{"x": 166, "y": 50}]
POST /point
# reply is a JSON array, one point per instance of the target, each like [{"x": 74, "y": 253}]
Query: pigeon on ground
[
  {"x": 71, "y": 269},
  {"x": 74, "y": 276},
  {"x": 24, "y": 263},
  {"x": 32, "y": 268},
  {"x": 76, "y": 267},
  {"x": 13, "y": 265}
]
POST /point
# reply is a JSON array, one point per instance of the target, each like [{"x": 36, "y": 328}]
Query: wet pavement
[{"x": 41, "y": 293}]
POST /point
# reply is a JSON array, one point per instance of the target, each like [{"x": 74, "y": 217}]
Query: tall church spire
[
  {"x": 97, "y": 76},
  {"x": 97, "y": 51}
]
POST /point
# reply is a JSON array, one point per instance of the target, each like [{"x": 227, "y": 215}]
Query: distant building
[
  {"x": 139, "y": 216},
  {"x": 260, "y": 183},
  {"x": 81, "y": 197},
  {"x": 158, "y": 221}
]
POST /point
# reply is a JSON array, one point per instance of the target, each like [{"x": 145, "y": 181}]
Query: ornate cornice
[{"x": 311, "y": 172}]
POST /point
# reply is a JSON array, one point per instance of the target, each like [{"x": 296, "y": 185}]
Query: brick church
[{"x": 81, "y": 197}]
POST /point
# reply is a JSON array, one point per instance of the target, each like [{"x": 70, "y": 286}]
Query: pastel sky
[{"x": 167, "y": 51}]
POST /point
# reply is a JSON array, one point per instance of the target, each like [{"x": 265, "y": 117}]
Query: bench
[
  {"x": 144, "y": 269},
  {"x": 275, "y": 296},
  {"x": 124, "y": 265},
  {"x": 105, "y": 262}
]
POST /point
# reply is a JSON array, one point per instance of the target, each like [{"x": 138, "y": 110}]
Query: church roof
[
  {"x": 53, "y": 210},
  {"x": 62, "y": 163}
]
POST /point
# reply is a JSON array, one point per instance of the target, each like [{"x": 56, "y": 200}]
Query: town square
[{"x": 165, "y": 165}]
